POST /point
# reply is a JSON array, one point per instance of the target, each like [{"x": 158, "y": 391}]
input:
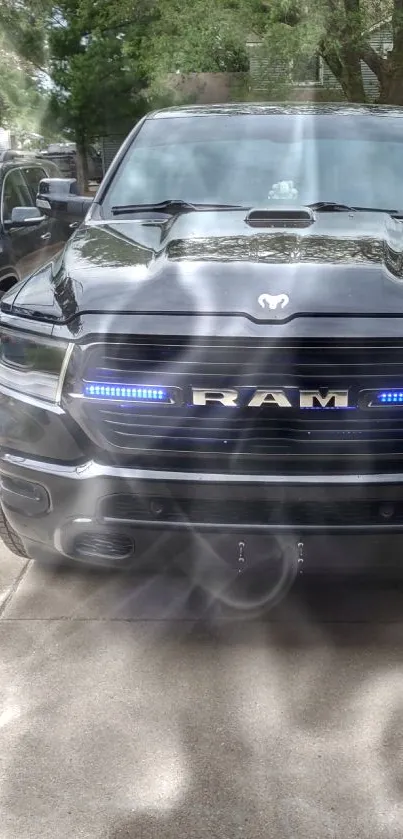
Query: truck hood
[{"x": 214, "y": 263}]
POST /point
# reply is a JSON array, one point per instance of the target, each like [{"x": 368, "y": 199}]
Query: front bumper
[{"x": 113, "y": 516}]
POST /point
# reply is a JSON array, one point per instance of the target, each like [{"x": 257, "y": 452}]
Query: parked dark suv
[{"x": 28, "y": 238}]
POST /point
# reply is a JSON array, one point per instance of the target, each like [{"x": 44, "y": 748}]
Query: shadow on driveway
[{"x": 132, "y": 708}]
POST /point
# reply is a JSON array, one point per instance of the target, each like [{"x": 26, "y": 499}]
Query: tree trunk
[
  {"x": 346, "y": 67},
  {"x": 391, "y": 88},
  {"x": 82, "y": 164},
  {"x": 391, "y": 84},
  {"x": 351, "y": 76}
]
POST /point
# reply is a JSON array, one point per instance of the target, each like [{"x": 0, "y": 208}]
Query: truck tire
[{"x": 10, "y": 538}]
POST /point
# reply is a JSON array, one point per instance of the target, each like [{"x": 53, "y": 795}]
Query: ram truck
[{"x": 214, "y": 362}]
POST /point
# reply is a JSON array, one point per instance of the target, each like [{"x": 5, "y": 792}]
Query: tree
[
  {"x": 96, "y": 88},
  {"x": 194, "y": 36},
  {"x": 339, "y": 31},
  {"x": 23, "y": 96},
  {"x": 100, "y": 56},
  {"x": 23, "y": 26},
  {"x": 345, "y": 42},
  {"x": 79, "y": 46}
]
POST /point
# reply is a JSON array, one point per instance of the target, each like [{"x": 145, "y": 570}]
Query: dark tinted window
[
  {"x": 52, "y": 171},
  {"x": 15, "y": 193},
  {"x": 254, "y": 159},
  {"x": 32, "y": 175}
]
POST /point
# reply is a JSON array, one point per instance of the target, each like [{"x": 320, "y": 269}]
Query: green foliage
[
  {"x": 337, "y": 30},
  {"x": 22, "y": 99},
  {"x": 22, "y": 23},
  {"x": 96, "y": 88},
  {"x": 195, "y": 37},
  {"x": 106, "y": 58}
]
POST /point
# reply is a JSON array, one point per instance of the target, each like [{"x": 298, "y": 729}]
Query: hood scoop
[{"x": 281, "y": 217}]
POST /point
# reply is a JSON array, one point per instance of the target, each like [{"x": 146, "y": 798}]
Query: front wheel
[{"x": 10, "y": 538}]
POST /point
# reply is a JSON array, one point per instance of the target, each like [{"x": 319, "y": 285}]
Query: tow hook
[
  {"x": 241, "y": 556},
  {"x": 300, "y": 549},
  {"x": 250, "y": 573}
]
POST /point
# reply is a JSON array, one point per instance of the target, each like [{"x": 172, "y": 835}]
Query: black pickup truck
[
  {"x": 64, "y": 156},
  {"x": 215, "y": 361}
]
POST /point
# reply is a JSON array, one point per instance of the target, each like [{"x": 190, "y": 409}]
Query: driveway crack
[{"x": 14, "y": 587}]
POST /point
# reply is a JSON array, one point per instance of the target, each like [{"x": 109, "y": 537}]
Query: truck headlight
[{"x": 32, "y": 365}]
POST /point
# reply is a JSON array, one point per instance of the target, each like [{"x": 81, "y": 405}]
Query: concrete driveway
[{"x": 127, "y": 711}]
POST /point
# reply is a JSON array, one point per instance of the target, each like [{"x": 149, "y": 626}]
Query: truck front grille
[{"x": 244, "y": 440}]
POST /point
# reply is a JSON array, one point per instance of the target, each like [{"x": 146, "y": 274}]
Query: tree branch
[
  {"x": 344, "y": 63},
  {"x": 332, "y": 59},
  {"x": 374, "y": 61}
]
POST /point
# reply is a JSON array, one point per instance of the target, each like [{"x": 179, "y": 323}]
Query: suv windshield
[{"x": 254, "y": 159}]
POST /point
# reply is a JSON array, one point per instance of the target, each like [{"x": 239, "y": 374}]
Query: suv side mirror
[
  {"x": 59, "y": 199},
  {"x": 24, "y": 217}
]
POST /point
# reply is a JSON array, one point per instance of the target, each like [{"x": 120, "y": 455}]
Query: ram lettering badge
[{"x": 277, "y": 397}]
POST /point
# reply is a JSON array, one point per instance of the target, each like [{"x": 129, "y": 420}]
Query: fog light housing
[{"x": 103, "y": 547}]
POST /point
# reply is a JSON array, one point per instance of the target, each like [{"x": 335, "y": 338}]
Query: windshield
[{"x": 255, "y": 159}]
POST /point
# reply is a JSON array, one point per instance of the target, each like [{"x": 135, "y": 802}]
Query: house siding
[
  {"x": 109, "y": 148},
  {"x": 266, "y": 72},
  {"x": 371, "y": 84}
]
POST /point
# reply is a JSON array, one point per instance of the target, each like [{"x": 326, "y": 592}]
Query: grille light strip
[
  {"x": 390, "y": 397},
  {"x": 126, "y": 393}
]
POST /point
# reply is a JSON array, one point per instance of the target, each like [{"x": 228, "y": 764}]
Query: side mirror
[
  {"x": 59, "y": 199},
  {"x": 24, "y": 217}
]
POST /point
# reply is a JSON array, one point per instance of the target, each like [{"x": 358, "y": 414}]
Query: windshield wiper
[
  {"x": 333, "y": 207},
  {"x": 174, "y": 207}
]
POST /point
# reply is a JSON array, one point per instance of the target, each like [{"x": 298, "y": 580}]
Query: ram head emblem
[{"x": 272, "y": 301}]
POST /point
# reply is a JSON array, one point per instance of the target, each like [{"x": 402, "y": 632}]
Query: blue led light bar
[
  {"x": 390, "y": 397},
  {"x": 126, "y": 393}
]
